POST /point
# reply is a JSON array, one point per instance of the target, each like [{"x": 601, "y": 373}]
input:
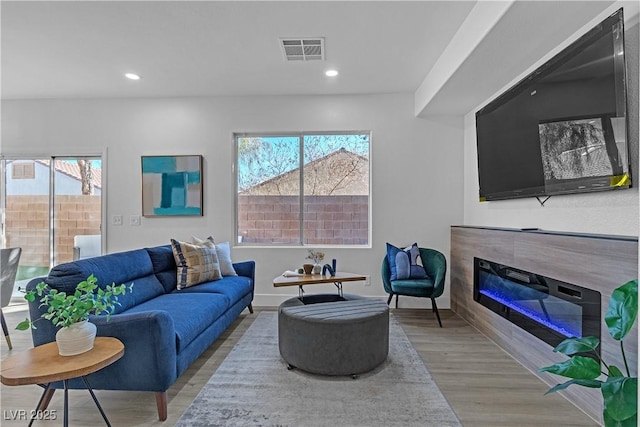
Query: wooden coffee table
[
  {"x": 43, "y": 365},
  {"x": 316, "y": 279}
]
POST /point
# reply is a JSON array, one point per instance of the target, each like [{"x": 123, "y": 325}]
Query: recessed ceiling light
[
  {"x": 132, "y": 76},
  {"x": 331, "y": 73}
]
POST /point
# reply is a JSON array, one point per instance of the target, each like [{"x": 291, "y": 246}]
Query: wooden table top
[
  {"x": 313, "y": 279},
  {"x": 43, "y": 364}
]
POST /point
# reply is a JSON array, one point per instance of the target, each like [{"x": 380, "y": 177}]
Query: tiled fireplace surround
[{"x": 597, "y": 262}]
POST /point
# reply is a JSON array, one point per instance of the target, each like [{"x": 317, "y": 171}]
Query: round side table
[{"x": 43, "y": 365}]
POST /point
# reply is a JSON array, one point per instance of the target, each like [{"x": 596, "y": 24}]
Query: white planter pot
[
  {"x": 317, "y": 269},
  {"x": 76, "y": 339}
]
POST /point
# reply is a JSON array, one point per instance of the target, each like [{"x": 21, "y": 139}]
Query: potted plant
[
  {"x": 316, "y": 256},
  {"x": 619, "y": 389},
  {"x": 71, "y": 312}
]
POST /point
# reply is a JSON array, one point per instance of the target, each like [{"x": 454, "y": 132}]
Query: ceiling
[{"x": 81, "y": 49}]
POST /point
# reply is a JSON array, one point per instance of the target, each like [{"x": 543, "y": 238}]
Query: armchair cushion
[
  {"x": 405, "y": 263},
  {"x": 413, "y": 287}
]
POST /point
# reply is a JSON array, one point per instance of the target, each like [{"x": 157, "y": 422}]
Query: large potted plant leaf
[{"x": 619, "y": 389}]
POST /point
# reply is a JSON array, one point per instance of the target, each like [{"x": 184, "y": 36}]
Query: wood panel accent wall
[{"x": 596, "y": 262}]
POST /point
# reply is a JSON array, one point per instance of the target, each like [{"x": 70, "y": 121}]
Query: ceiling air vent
[{"x": 303, "y": 49}]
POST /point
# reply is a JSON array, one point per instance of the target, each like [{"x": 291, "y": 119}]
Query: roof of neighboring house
[
  {"x": 71, "y": 169},
  {"x": 341, "y": 172}
]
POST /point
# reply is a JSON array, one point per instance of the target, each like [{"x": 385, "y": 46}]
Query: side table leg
[
  {"x": 65, "y": 419},
  {"x": 95, "y": 399},
  {"x": 44, "y": 393},
  {"x": 44, "y": 404}
]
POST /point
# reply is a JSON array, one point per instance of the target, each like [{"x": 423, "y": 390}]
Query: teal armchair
[{"x": 435, "y": 265}]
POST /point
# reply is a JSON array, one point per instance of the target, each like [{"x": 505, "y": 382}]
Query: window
[
  {"x": 22, "y": 170},
  {"x": 47, "y": 201},
  {"x": 303, "y": 189}
]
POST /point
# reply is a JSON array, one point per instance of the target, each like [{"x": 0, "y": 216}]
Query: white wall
[
  {"x": 417, "y": 181},
  {"x": 611, "y": 212}
]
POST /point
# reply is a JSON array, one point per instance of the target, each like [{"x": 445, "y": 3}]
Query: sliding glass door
[{"x": 46, "y": 203}]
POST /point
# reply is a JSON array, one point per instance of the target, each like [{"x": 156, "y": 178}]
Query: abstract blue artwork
[{"x": 171, "y": 185}]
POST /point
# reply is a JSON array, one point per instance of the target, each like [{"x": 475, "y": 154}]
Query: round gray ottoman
[{"x": 347, "y": 337}]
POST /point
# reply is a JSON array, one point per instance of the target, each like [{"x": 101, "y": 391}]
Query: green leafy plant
[
  {"x": 65, "y": 310},
  {"x": 619, "y": 390}
]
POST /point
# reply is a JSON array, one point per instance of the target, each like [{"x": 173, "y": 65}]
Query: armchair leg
[
  {"x": 5, "y": 330},
  {"x": 161, "y": 403},
  {"x": 397, "y": 298},
  {"x": 250, "y": 307},
  {"x": 390, "y": 298},
  {"x": 435, "y": 310}
]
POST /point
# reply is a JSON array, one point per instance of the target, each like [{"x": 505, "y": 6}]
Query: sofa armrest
[
  {"x": 149, "y": 361},
  {"x": 246, "y": 269}
]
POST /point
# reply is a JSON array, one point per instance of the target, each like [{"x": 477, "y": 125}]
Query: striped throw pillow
[{"x": 195, "y": 264}]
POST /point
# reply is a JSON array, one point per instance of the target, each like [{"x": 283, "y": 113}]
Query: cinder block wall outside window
[
  {"x": 27, "y": 225},
  {"x": 328, "y": 219}
]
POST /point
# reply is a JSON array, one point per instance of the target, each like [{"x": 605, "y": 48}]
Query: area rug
[{"x": 252, "y": 387}]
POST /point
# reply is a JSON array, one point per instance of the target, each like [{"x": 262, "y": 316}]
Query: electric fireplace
[{"x": 549, "y": 309}]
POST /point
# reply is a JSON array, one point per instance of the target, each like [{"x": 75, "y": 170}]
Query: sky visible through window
[{"x": 263, "y": 158}]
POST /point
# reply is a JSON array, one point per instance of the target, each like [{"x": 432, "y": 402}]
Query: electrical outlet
[
  {"x": 134, "y": 220},
  {"x": 116, "y": 219},
  {"x": 367, "y": 281}
]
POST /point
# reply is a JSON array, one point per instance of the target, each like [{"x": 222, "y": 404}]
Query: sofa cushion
[
  {"x": 164, "y": 266},
  {"x": 192, "y": 313},
  {"x": 233, "y": 287},
  {"x": 119, "y": 268},
  {"x": 195, "y": 264}
]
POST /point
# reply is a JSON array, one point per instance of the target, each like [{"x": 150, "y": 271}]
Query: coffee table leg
[
  {"x": 95, "y": 399},
  {"x": 339, "y": 286},
  {"x": 33, "y": 417}
]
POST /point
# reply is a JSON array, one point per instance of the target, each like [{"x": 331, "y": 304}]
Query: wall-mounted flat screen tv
[{"x": 563, "y": 128}]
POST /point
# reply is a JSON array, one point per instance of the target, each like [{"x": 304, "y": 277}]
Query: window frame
[{"x": 300, "y": 135}]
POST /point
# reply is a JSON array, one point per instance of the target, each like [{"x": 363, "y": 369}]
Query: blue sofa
[{"x": 163, "y": 329}]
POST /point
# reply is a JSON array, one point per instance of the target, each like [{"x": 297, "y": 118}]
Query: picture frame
[{"x": 172, "y": 185}]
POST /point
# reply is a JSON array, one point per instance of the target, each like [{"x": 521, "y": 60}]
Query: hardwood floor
[{"x": 483, "y": 384}]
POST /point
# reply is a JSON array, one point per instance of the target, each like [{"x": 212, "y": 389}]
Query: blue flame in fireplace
[{"x": 556, "y": 314}]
